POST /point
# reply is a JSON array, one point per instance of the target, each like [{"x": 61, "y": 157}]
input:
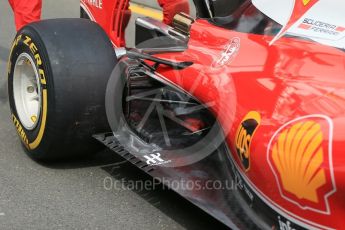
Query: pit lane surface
[{"x": 72, "y": 195}]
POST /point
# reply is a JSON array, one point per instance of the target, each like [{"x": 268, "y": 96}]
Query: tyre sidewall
[{"x": 28, "y": 41}]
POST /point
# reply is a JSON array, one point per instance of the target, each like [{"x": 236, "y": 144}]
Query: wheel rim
[{"x": 27, "y": 91}]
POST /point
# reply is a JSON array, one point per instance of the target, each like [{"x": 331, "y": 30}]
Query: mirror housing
[{"x": 216, "y": 8}]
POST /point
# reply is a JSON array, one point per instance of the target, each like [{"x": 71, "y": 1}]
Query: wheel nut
[{"x": 30, "y": 89}]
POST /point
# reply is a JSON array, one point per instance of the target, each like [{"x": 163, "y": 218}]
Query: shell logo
[{"x": 300, "y": 156}]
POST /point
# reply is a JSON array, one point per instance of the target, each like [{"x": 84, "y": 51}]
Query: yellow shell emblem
[{"x": 298, "y": 156}]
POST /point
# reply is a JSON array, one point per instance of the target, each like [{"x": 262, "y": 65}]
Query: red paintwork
[
  {"x": 109, "y": 16},
  {"x": 291, "y": 79},
  {"x": 113, "y": 15}
]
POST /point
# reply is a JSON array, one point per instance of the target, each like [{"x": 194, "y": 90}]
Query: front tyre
[{"x": 57, "y": 76}]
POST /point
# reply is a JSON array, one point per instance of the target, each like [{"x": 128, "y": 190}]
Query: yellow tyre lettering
[
  {"x": 39, "y": 137},
  {"x": 9, "y": 64},
  {"x": 33, "y": 48},
  {"x": 18, "y": 39},
  {"x": 14, "y": 44},
  {"x": 20, "y": 130},
  {"x": 42, "y": 77},
  {"x": 27, "y": 40},
  {"x": 38, "y": 59}
]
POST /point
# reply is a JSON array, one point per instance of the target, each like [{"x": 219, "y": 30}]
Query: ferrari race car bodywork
[
  {"x": 281, "y": 108},
  {"x": 263, "y": 102}
]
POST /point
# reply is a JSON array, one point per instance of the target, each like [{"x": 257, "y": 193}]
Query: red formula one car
[{"x": 242, "y": 114}]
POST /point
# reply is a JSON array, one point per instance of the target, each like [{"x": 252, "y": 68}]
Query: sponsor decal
[
  {"x": 300, "y": 8},
  {"x": 229, "y": 53},
  {"x": 20, "y": 131},
  {"x": 300, "y": 156},
  {"x": 244, "y": 135},
  {"x": 241, "y": 185},
  {"x": 14, "y": 44},
  {"x": 320, "y": 27},
  {"x": 33, "y": 48},
  {"x": 155, "y": 159},
  {"x": 254, "y": 201},
  {"x": 96, "y": 3},
  {"x": 286, "y": 224},
  {"x": 27, "y": 41},
  {"x": 257, "y": 200}
]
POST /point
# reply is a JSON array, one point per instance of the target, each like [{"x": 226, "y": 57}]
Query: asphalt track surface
[{"x": 72, "y": 195}]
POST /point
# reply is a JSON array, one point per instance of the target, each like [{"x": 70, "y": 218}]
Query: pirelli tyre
[{"x": 57, "y": 76}]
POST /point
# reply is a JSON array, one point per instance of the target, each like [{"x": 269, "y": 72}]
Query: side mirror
[
  {"x": 157, "y": 36},
  {"x": 216, "y": 8},
  {"x": 222, "y": 8},
  {"x": 203, "y": 9}
]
